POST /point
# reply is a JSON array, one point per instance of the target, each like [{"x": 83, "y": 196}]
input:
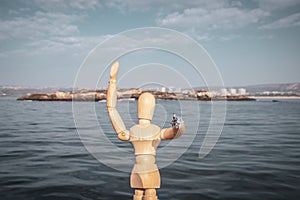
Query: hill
[
  {"x": 281, "y": 88},
  {"x": 17, "y": 91}
]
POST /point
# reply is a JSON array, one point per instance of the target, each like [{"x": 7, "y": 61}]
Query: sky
[{"x": 44, "y": 43}]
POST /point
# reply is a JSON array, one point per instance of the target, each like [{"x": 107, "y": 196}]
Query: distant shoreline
[
  {"x": 275, "y": 97},
  {"x": 100, "y": 95}
]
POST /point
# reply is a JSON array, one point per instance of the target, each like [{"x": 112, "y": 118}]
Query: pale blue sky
[{"x": 44, "y": 42}]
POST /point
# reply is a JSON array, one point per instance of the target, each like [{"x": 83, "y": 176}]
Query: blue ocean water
[{"x": 257, "y": 155}]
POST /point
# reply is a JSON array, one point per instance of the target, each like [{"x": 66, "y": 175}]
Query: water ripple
[{"x": 257, "y": 156}]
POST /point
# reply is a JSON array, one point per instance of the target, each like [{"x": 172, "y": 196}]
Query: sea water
[{"x": 256, "y": 157}]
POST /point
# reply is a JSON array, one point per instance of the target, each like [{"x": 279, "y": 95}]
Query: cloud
[
  {"x": 45, "y": 33},
  {"x": 171, "y": 5},
  {"x": 206, "y": 19},
  {"x": 167, "y": 5},
  {"x": 66, "y": 45},
  {"x": 271, "y": 5},
  {"x": 287, "y": 22},
  {"x": 229, "y": 37},
  {"x": 65, "y": 5},
  {"x": 41, "y": 24},
  {"x": 73, "y": 45}
]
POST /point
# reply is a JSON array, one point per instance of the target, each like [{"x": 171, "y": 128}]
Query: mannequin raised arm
[{"x": 111, "y": 102}]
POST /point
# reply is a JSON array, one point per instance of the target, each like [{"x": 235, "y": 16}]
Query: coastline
[
  {"x": 132, "y": 94},
  {"x": 275, "y": 97}
]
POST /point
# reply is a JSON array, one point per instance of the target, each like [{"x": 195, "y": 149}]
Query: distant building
[
  {"x": 211, "y": 94},
  {"x": 242, "y": 91},
  {"x": 224, "y": 92},
  {"x": 275, "y": 92},
  {"x": 233, "y": 92},
  {"x": 163, "y": 89},
  {"x": 185, "y": 91}
]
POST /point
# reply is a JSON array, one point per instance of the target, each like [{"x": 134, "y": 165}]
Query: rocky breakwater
[
  {"x": 80, "y": 95},
  {"x": 100, "y": 95}
]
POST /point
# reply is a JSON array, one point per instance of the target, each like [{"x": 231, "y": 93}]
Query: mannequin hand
[
  {"x": 114, "y": 70},
  {"x": 176, "y": 122}
]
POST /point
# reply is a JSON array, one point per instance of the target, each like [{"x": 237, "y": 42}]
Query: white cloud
[
  {"x": 289, "y": 21},
  {"x": 47, "y": 32},
  {"x": 229, "y": 37},
  {"x": 65, "y": 5},
  {"x": 63, "y": 45},
  {"x": 277, "y": 4},
  {"x": 236, "y": 4},
  {"x": 41, "y": 24},
  {"x": 167, "y": 5},
  {"x": 18, "y": 11},
  {"x": 171, "y": 5},
  {"x": 205, "y": 19}
]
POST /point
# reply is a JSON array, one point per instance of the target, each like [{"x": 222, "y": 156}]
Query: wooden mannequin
[{"x": 144, "y": 137}]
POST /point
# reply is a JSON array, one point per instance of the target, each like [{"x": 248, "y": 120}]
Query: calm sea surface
[{"x": 256, "y": 157}]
